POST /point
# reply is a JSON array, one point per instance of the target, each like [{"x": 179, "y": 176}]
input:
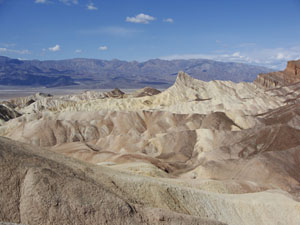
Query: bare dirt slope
[
  {"x": 40, "y": 187},
  {"x": 223, "y": 151}
]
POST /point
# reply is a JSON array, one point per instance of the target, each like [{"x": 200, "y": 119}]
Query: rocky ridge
[
  {"x": 199, "y": 152},
  {"x": 289, "y": 76}
]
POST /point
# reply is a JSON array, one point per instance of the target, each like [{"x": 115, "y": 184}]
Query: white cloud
[
  {"x": 247, "y": 44},
  {"x": 111, "y": 30},
  {"x": 103, "y": 48},
  {"x": 41, "y": 1},
  {"x": 119, "y": 31},
  {"x": 140, "y": 18},
  {"x": 22, "y": 52},
  {"x": 275, "y": 58},
  {"x": 280, "y": 55},
  {"x": 66, "y": 2},
  {"x": 78, "y": 51},
  {"x": 219, "y": 57},
  {"x": 8, "y": 45},
  {"x": 91, "y": 6},
  {"x": 236, "y": 54},
  {"x": 69, "y": 2},
  {"x": 169, "y": 20},
  {"x": 54, "y": 48}
]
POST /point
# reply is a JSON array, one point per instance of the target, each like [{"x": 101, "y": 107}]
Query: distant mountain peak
[{"x": 97, "y": 73}]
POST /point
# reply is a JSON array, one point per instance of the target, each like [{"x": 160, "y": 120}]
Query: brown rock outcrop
[
  {"x": 276, "y": 79},
  {"x": 293, "y": 67}
]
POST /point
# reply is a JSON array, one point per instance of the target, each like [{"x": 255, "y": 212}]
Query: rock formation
[
  {"x": 290, "y": 75},
  {"x": 147, "y": 91},
  {"x": 199, "y": 152},
  {"x": 7, "y": 113}
]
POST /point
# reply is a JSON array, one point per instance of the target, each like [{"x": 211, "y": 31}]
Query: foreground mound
[{"x": 40, "y": 187}]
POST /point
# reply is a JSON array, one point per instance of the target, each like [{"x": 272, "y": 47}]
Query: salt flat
[{"x": 8, "y": 92}]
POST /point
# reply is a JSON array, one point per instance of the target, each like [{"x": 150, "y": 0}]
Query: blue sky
[{"x": 262, "y": 32}]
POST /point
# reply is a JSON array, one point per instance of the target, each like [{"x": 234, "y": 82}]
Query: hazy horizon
[{"x": 132, "y": 61}]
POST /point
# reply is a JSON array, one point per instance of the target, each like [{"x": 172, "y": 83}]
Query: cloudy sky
[{"x": 262, "y": 32}]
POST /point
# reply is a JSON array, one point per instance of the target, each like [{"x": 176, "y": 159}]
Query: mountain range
[{"x": 95, "y": 73}]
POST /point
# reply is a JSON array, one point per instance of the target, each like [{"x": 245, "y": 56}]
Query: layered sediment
[
  {"x": 197, "y": 153},
  {"x": 288, "y": 76}
]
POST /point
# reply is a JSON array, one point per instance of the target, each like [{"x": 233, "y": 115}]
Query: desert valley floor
[{"x": 198, "y": 152}]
